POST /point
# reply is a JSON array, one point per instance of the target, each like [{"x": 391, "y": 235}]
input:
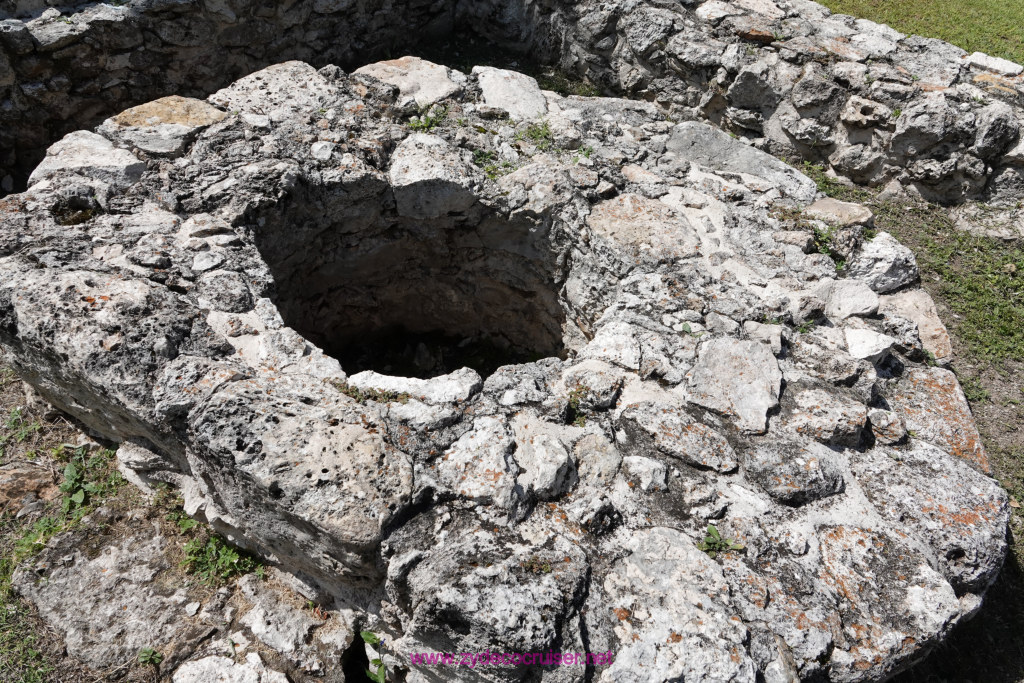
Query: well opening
[{"x": 413, "y": 297}]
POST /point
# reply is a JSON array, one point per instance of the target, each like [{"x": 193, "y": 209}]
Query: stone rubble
[
  {"x": 697, "y": 366},
  {"x": 870, "y": 103}
]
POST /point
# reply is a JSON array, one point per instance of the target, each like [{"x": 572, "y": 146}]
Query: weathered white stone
[
  {"x": 998, "y": 65},
  {"x": 717, "y": 150},
  {"x": 847, "y": 298},
  {"x": 453, "y": 387},
  {"x": 429, "y": 178},
  {"x": 740, "y": 379},
  {"x": 651, "y": 474},
  {"x": 512, "y": 92},
  {"x": 481, "y": 466},
  {"x": 89, "y": 155},
  {"x": 917, "y": 305},
  {"x": 419, "y": 81},
  {"x": 884, "y": 264},
  {"x": 546, "y": 468},
  {"x": 867, "y": 344},
  {"x": 227, "y": 670},
  {"x": 842, "y": 214}
]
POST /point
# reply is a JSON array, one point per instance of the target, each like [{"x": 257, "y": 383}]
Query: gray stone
[
  {"x": 716, "y": 150},
  {"x": 847, "y": 298},
  {"x": 918, "y": 306},
  {"x": 110, "y": 606},
  {"x": 884, "y": 264},
  {"x": 739, "y": 379},
  {"x": 867, "y": 344},
  {"x": 841, "y": 214},
  {"x": 419, "y": 81},
  {"x": 795, "y": 473},
  {"x": 526, "y": 508},
  {"x": 998, "y": 65},
  {"x": 226, "y": 670},
  {"x": 92, "y": 156},
  {"x": 430, "y": 178}
]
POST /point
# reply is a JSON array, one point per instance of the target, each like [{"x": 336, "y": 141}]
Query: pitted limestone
[{"x": 696, "y": 367}]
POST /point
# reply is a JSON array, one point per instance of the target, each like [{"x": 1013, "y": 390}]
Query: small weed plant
[
  {"x": 377, "y": 671},
  {"x": 88, "y": 478},
  {"x": 150, "y": 657},
  {"x": 575, "y": 415},
  {"x": 216, "y": 562},
  {"x": 429, "y": 120},
  {"x": 493, "y": 167},
  {"x": 539, "y": 134},
  {"x": 714, "y": 543},
  {"x": 535, "y": 565}
]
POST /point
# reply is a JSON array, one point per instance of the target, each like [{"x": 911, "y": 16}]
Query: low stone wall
[
  {"x": 871, "y": 103},
  {"x": 62, "y": 71}
]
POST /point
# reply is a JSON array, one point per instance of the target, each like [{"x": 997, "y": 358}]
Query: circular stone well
[{"x": 700, "y": 367}]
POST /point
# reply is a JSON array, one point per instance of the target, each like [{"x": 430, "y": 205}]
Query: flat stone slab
[{"x": 418, "y": 80}]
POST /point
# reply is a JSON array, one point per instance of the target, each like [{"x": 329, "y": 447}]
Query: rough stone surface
[
  {"x": 884, "y": 264},
  {"x": 109, "y": 607},
  {"x": 227, "y": 670},
  {"x": 24, "y": 485},
  {"x": 420, "y": 82},
  {"x": 786, "y": 76},
  {"x": 516, "y": 94},
  {"x": 917, "y": 305},
  {"x": 92, "y": 156},
  {"x": 216, "y": 314}
]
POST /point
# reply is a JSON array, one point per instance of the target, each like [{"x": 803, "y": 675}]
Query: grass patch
[
  {"x": 492, "y": 167},
  {"x": 831, "y": 186},
  {"x": 980, "y": 279},
  {"x": 428, "y": 120},
  {"x": 216, "y": 562},
  {"x": 991, "y": 26},
  {"x": 566, "y": 85},
  {"x": 16, "y": 429},
  {"x": 539, "y": 134}
]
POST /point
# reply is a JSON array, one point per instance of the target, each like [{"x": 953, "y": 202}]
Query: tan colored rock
[
  {"x": 918, "y": 306},
  {"x": 24, "y": 481},
  {"x": 163, "y": 127},
  {"x": 843, "y": 214},
  {"x": 184, "y": 111}
]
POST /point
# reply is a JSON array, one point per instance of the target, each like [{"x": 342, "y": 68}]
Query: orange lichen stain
[
  {"x": 674, "y": 637},
  {"x": 622, "y": 614}
]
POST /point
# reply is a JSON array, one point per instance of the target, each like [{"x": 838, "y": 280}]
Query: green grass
[
  {"x": 995, "y": 27},
  {"x": 89, "y": 480},
  {"x": 539, "y": 134},
  {"x": 979, "y": 278}
]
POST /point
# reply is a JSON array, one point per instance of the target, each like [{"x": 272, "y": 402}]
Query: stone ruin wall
[{"x": 871, "y": 103}]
